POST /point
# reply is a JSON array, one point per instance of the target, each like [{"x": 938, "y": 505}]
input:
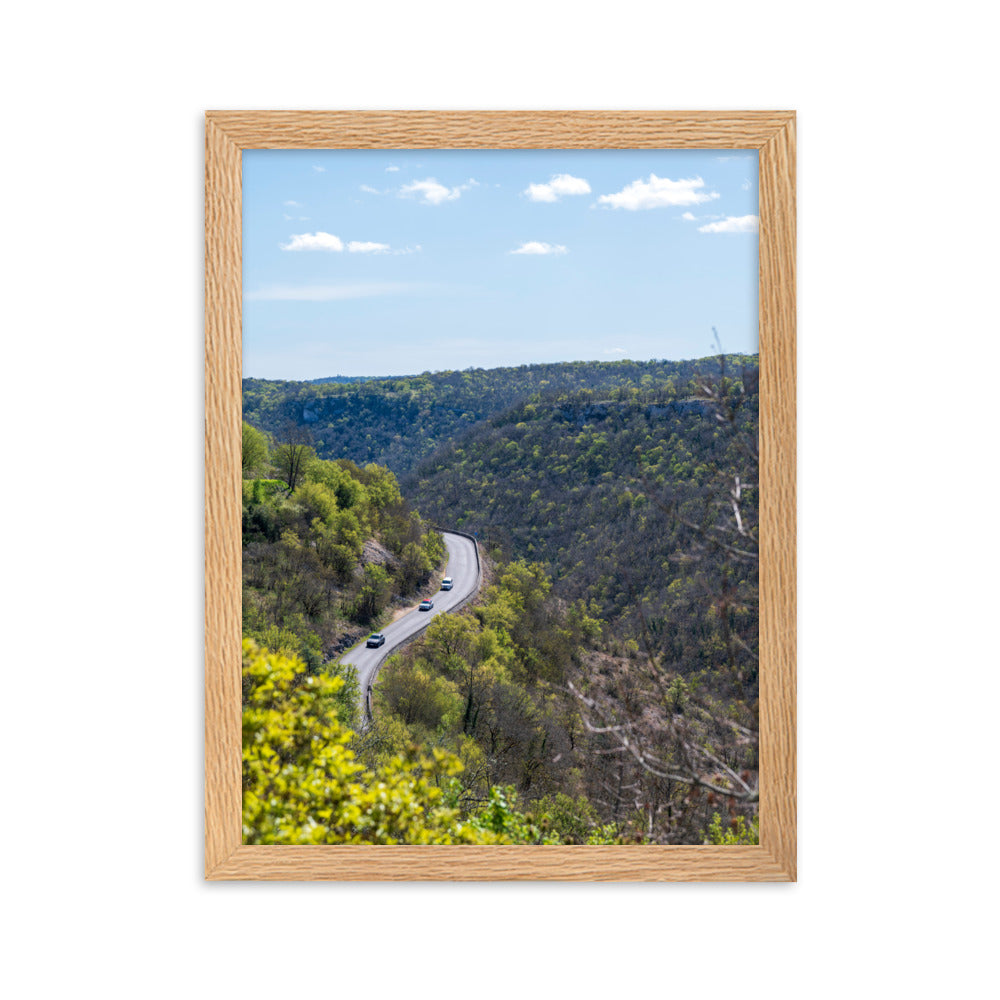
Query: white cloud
[
  {"x": 659, "y": 192},
  {"x": 432, "y": 193},
  {"x": 559, "y": 185},
  {"x": 356, "y": 246},
  {"x": 689, "y": 217},
  {"x": 291, "y": 204},
  {"x": 615, "y": 350},
  {"x": 329, "y": 242},
  {"x": 534, "y": 247},
  {"x": 330, "y": 293},
  {"x": 369, "y": 189},
  {"x": 746, "y": 184},
  {"x": 391, "y": 170},
  {"x": 733, "y": 224},
  {"x": 313, "y": 241},
  {"x": 319, "y": 170}
]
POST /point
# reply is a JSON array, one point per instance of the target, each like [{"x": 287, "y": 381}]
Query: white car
[{"x": 446, "y": 583}]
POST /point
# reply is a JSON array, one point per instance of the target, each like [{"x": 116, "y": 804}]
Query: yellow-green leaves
[
  {"x": 736, "y": 833},
  {"x": 255, "y": 451},
  {"x": 302, "y": 785}
]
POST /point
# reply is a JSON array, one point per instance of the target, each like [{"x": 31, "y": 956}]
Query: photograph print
[{"x": 500, "y": 495}]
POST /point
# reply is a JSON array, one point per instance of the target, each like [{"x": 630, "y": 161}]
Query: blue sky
[{"x": 360, "y": 262}]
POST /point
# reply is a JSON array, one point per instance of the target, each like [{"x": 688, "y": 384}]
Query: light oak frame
[{"x": 227, "y": 133}]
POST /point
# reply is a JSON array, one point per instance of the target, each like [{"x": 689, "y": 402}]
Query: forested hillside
[
  {"x": 607, "y": 491},
  {"x": 603, "y": 687},
  {"x": 327, "y": 548},
  {"x": 396, "y": 422}
]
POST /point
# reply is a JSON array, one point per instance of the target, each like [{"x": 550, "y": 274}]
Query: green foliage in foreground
[
  {"x": 736, "y": 833},
  {"x": 302, "y": 785}
]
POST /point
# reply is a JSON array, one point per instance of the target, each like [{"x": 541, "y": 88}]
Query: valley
[{"x": 602, "y": 682}]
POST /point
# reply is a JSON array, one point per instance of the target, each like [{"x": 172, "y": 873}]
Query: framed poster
[{"x": 702, "y": 752}]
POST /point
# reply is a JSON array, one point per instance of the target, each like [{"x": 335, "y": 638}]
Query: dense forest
[
  {"x": 607, "y": 492},
  {"x": 601, "y": 689},
  {"x": 396, "y": 422}
]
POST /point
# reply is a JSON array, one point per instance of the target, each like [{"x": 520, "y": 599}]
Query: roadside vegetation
[{"x": 329, "y": 549}]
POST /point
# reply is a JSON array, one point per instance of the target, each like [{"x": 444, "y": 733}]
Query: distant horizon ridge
[{"x": 474, "y": 368}]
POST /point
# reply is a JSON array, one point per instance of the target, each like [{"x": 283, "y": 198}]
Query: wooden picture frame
[{"x": 228, "y": 133}]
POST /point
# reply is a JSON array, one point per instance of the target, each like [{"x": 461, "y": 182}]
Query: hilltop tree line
[{"x": 396, "y": 422}]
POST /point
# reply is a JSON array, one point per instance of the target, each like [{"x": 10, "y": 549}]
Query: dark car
[
  {"x": 426, "y": 605},
  {"x": 446, "y": 583},
  {"x": 375, "y": 640}
]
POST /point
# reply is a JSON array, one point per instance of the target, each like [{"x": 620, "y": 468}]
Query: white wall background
[{"x": 101, "y": 397}]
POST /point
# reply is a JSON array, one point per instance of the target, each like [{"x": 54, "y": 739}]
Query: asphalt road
[{"x": 463, "y": 569}]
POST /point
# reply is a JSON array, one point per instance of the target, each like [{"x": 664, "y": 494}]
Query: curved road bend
[{"x": 462, "y": 568}]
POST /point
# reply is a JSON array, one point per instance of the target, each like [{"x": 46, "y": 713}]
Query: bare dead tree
[{"x": 293, "y": 453}]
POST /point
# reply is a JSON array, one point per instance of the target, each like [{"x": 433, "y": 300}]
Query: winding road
[{"x": 463, "y": 568}]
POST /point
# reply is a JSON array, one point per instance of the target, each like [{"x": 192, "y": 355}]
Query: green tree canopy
[
  {"x": 254, "y": 452},
  {"x": 302, "y": 785}
]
